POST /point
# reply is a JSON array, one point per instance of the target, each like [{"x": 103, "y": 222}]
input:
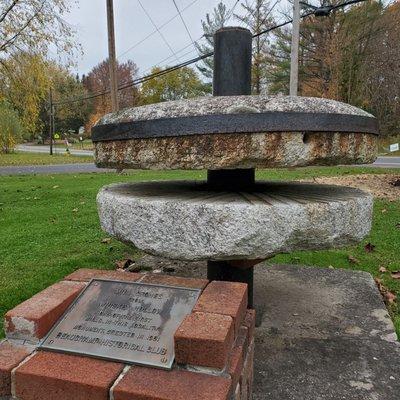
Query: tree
[
  {"x": 69, "y": 115},
  {"x": 182, "y": 83},
  {"x": 26, "y": 88},
  {"x": 34, "y": 25},
  {"x": 257, "y": 18},
  {"x": 98, "y": 80},
  {"x": 351, "y": 56},
  {"x": 213, "y": 22},
  {"x": 10, "y": 128}
]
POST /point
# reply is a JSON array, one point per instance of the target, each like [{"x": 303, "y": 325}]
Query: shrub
[{"x": 10, "y": 128}]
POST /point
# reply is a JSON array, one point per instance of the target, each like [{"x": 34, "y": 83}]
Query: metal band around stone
[{"x": 273, "y": 121}]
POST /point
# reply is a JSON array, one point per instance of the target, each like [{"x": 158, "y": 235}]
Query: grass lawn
[
  {"x": 49, "y": 227},
  {"x": 40, "y": 159}
]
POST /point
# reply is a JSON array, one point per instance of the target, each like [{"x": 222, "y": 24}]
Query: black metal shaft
[
  {"x": 232, "y": 62},
  {"x": 223, "y": 271},
  {"x": 232, "y": 76},
  {"x": 231, "y": 179}
]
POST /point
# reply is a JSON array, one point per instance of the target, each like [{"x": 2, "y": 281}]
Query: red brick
[
  {"x": 175, "y": 281},
  {"x": 10, "y": 356},
  {"x": 250, "y": 323},
  {"x": 238, "y": 354},
  {"x": 54, "y": 376},
  {"x": 204, "y": 339},
  {"x": 33, "y": 318},
  {"x": 86, "y": 274},
  {"x": 142, "y": 383},
  {"x": 227, "y": 298}
]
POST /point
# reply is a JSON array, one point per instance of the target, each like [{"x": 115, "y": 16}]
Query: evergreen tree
[
  {"x": 257, "y": 18},
  {"x": 213, "y": 22}
]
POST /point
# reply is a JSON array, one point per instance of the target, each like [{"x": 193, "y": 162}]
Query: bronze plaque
[{"x": 129, "y": 322}]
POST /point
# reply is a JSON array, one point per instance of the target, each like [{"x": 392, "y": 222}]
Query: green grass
[
  {"x": 14, "y": 159},
  {"x": 49, "y": 227},
  {"x": 87, "y": 144}
]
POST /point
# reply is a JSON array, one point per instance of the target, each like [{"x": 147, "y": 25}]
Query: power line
[
  {"x": 184, "y": 24},
  {"x": 194, "y": 60},
  {"x": 158, "y": 30},
  {"x": 155, "y": 31}
]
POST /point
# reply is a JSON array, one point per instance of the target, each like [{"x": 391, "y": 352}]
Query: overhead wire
[
  {"x": 184, "y": 24},
  {"x": 155, "y": 31},
  {"x": 196, "y": 59},
  {"x": 158, "y": 30}
]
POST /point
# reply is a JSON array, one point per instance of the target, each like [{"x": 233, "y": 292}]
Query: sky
[{"x": 132, "y": 25}]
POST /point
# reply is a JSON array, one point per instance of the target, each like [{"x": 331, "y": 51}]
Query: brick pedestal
[{"x": 214, "y": 349}]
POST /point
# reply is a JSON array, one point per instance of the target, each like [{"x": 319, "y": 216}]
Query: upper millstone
[{"x": 236, "y": 132}]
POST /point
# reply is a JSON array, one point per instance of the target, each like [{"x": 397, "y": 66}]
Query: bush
[{"x": 10, "y": 128}]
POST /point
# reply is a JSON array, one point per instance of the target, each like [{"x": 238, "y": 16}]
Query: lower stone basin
[{"x": 188, "y": 221}]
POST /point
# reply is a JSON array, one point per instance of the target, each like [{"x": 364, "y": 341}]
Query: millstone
[
  {"x": 236, "y": 132},
  {"x": 187, "y": 221}
]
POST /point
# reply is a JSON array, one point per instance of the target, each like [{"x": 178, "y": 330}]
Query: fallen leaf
[
  {"x": 55, "y": 186},
  {"x": 390, "y": 297},
  {"x": 382, "y": 270},
  {"x": 384, "y": 210},
  {"x": 396, "y": 275},
  {"x": 106, "y": 240},
  {"x": 123, "y": 264},
  {"x": 369, "y": 247},
  {"x": 75, "y": 210},
  {"x": 353, "y": 260},
  {"x": 387, "y": 295}
]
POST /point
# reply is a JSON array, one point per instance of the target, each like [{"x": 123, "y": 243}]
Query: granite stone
[
  {"x": 230, "y": 105},
  {"x": 233, "y": 148},
  {"x": 187, "y": 221}
]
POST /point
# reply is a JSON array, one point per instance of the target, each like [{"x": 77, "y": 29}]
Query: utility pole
[
  {"x": 258, "y": 49},
  {"x": 294, "y": 53},
  {"x": 51, "y": 120},
  {"x": 111, "y": 56}
]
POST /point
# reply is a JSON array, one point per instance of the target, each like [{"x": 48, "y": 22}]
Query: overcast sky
[{"x": 132, "y": 25}]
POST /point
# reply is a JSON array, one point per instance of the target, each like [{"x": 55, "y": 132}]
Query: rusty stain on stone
[{"x": 252, "y": 150}]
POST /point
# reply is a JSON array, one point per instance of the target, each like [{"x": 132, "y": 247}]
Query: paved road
[
  {"x": 382, "y": 162},
  {"x": 46, "y": 149},
  {"x": 50, "y": 169},
  {"x": 387, "y": 162}
]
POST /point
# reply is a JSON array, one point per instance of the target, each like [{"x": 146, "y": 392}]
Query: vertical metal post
[
  {"x": 294, "y": 53},
  {"x": 51, "y": 120},
  {"x": 232, "y": 62},
  {"x": 112, "y": 57},
  {"x": 232, "y": 76}
]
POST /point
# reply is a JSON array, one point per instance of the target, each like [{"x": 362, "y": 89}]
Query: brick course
[
  {"x": 204, "y": 339},
  {"x": 214, "y": 349},
  {"x": 10, "y": 356},
  {"x": 227, "y": 298},
  {"x": 55, "y": 376},
  {"x": 32, "y": 319},
  {"x": 142, "y": 383}
]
